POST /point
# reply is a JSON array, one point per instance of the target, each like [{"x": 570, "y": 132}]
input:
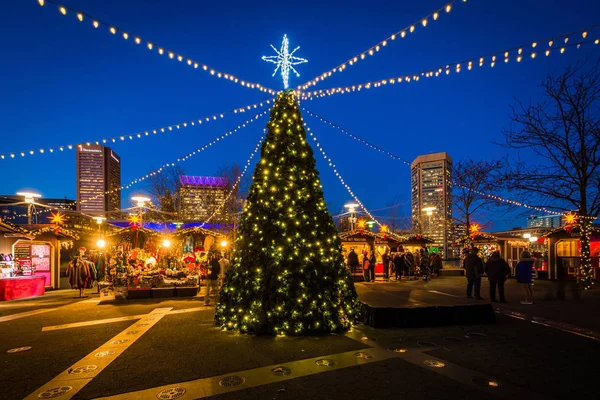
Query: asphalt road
[{"x": 171, "y": 348}]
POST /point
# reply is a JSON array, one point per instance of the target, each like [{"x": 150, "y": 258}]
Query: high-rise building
[
  {"x": 545, "y": 221},
  {"x": 98, "y": 172},
  {"x": 201, "y": 196},
  {"x": 431, "y": 195}
]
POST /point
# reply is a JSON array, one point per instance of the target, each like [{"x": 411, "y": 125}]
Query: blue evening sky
[{"x": 62, "y": 81}]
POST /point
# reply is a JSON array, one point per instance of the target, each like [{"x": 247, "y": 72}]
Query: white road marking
[
  {"x": 25, "y": 314},
  {"x": 71, "y": 381},
  {"x": 442, "y": 293}
]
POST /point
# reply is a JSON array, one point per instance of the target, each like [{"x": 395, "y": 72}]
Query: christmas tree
[{"x": 287, "y": 274}]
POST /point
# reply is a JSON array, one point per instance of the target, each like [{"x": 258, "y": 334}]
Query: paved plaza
[{"x": 170, "y": 349}]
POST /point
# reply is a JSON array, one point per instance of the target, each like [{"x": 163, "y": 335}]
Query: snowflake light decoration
[{"x": 285, "y": 60}]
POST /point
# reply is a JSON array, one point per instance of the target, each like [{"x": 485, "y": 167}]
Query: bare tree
[
  {"x": 472, "y": 180},
  {"x": 563, "y": 130},
  {"x": 236, "y": 191},
  {"x": 165, "y": 188}
]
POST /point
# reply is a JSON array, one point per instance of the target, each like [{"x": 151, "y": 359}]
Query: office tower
[
  {"x": 201, "y": 196},
  {"x": 431, "y": 195},
  {"x": 98, "y": 171},
  {"x": 544, "y": 221}
]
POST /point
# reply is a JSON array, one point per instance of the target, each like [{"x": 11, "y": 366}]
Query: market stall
[
  {"x": 564, "y": 253},
  {"x": 362, "y": 241}
]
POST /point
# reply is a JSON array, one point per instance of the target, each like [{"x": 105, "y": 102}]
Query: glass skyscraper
[
  {"x": 431, "y": 195},
  {"x": 98, "y": 172}
]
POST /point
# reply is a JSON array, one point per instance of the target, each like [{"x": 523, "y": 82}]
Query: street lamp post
[
  {"x": 352, "y": 210},
  {"x": 30, "y": 200}
]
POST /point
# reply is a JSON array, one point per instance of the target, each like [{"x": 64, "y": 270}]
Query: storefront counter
[{"x": 21, "y": 287}]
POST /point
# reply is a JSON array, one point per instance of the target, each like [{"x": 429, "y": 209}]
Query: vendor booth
[
  {"x": 362, "y": 241},
  {"x": 564, "y": 253},
  {"x": 33, "y": 262}
]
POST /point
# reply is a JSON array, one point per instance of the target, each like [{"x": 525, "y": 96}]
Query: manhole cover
[
  {"x": 281, "y": 371},
  {"x": 427, "y": 344},
  {"x": 54, "y": 392},
  {"x": 231, "y": 381},
  {"x": 132, "y": 332},
  {"x": 397, "y": 350},
  {"x": 120, "y": 341},
  {"x": 171, "y": 393},
  {"x": 484, "y": 382},
  {"x": 143, "y": 324},
  {"x": 362, "y": 355},
  {"x": 19, "y": 349},
  {"x": 453, "y": 339},
  {"x": 475, "y": 335},
  {"x": 104, "y": 353},
  {"x": 325, "y": 362},
  {"x": 83, "y": 369},
  {"x": 434, "y": 363}
]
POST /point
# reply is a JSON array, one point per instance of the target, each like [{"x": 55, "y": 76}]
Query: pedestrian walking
[
  {"x": 409, "y": 262},
  {"x": 524, "y": 276},
  {"x": 497, "y": 270},
  {"x": 424, "y": 264},
  {"x": 473, "y": 265},
  {"x": 435, "y": 262},
  {"x": 223, "y": 265},
  {"x": 372, "y": 263},
  {"x": 212, "y": 279}
]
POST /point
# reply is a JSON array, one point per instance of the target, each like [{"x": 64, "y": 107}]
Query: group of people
[
  {"x": 497, "y": 270},
  {"x": 400, "y": 264}
]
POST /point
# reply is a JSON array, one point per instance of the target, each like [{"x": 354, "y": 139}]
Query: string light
[
  {"x": 335, "y": 171},
  {"x": 398, "y": 158},
  {"x": 237, "y": 182},
  {"x": 517, "y": 53},
  {"x": 141, "y": 134},
  {"x": 378, "y": 46},
  {"x": 179, "y": 160},
  {"x": 193, "y": 63}
]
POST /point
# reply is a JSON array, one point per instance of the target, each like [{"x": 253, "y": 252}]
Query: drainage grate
[
  {"x": 362, "y": 355},
  {"x": 281, "y": 371},
  {"x": 427, "y": 344},
  {"x": 484, "y": 382},
  {"x": 325, "y": 362},
  {"x": 397, "y": 350},
  {"x": 132, "y": 332},
  {"x": 231, "y": 381},
  {"x": 54, "y": 392},
  {"x": 120, "y": 341},
  {"x": 434, "y": 363},
  {"x": 453, "y": 339},
  {"x": 171, "y": 393},
  {"x": 19, "y": 349},
  {"x": 475, "y": 335},
  {"x": 83, "y": 369},
  {"x": 104, "y": 353}
]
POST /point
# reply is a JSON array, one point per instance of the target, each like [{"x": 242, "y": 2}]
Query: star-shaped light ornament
[
  {"x": 57, "y": 218},
  {"x": 285, "y": 61}
]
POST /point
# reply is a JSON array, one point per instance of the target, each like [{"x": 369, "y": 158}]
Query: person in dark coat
[
  {"x": 400, "y": 265},
  {"x": 385, "y": 258},
  {"x": 365, "y": 265},
  {"x": 212, "y": 279},
  {"x": 352, "y": 260},
  {"x": 473, "y": 265},
  {"x": 372, "y": 263},
  {"x": 497, "y": 270},
  {"x": 524, "y": 276}
]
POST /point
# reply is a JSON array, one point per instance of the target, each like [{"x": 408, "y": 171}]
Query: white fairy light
[{"x": 285, "y": 60}]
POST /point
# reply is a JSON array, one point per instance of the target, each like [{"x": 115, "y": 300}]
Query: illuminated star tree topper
[{"x": 285, "y": 61}]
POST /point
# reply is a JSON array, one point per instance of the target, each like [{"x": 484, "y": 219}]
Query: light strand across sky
[
  {"x": 398, "y": 158},
  {"x": 238, "y": 180},
  {"x": 133, "y": 136},
  {"x": 371, "y": 51},
  {"x": 554, "y": 45},
  {"x": 339, "y": 176},
  {"x": 180, "y": 159},
  {"x": 152, "y": 46}
]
